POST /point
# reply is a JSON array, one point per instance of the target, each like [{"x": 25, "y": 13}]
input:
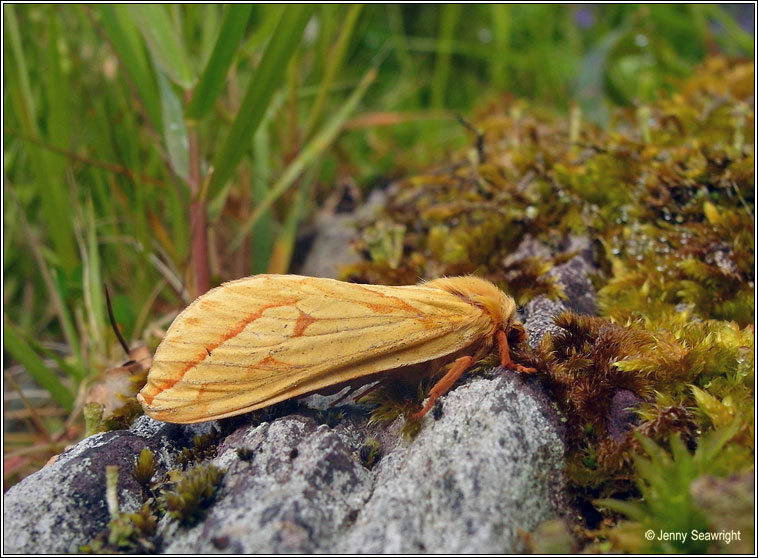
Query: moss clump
[
  {"x": 203, "y": 448},
  {"x": 690, "y": 379},
  {"x": 245, "y": 454},
  {"x": 123, "y": 417},
  {"x": 330, "y": 417},
  {"x": 144, "y": 469},
  {"x": 127, "y": 533},
  {"x": 394, "y": 399},
  {"x": 370, "y": 453},
  {"x": 192, "y": 492}
]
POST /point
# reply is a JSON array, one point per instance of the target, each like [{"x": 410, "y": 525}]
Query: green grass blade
[
  {"x": 174, "y": 128},
  {"x": 59, "y": 125},
  {"x": 450, "y": 15},
  {"x": 501, "y": 34},
  {"x": 313, "y": 149},
  {"x": 93, "y": 282},
  {"x": 14, "y": 36},
  {"x": 49, "y": 278},
  {"x": 125, "y": 39},
  {"x": 48, "y": 169},
  {"x": 333, "y": 63},
  {"x": 281, "y": 253},
  {"x": 744, "y": 40},
  {"x": 263, "y": 230},
  {"x": 264, "y": 82},
  {"x": 214, "y": 75},
  {"x": 164, "y": 41},
  {"x": 33, "y": 364}
]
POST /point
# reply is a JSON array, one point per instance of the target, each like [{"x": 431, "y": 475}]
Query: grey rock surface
[
  {"x": 63, "y": 505},
  {"x": 333, "y": 236},
  {"x": 539, "y": 318},
  {"x": 468, "y": 482},
  {"x": 574, "y": 278}
]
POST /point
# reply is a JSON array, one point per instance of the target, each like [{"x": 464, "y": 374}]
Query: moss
[
  {"x": 370, "y": 453},
  {"x": 93, "y": 418},
  {"x": 127, "y": 533},
  {"x": 203, "y": 448},
  {"x": 245, "y": 454},
  {"x": 191, "y": 493},
  {"x": 330, "y": 417},
  {"x": 123, "y": 417},
  {"x": 389, "y": 401},
  {"x": 144, "y": 469}
]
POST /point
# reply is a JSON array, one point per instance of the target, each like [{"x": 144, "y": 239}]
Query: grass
[{"x": 163, "y": 149}]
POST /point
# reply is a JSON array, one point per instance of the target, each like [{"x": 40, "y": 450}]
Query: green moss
[
  {"x": 203, "y": 448},
  {"x": 245, "y": 454},
  {"x": 127, "y": 533},
  {"x": 330, "y": 417},
  {"x": 392, "y": 400},
  {"x": 370, "y": 453},
  {"x": 191, "y": 493},
  {"x": 123, "y": 417},
  {"x": 144, "y": 469},
  {"x": 93, "y": 418}
]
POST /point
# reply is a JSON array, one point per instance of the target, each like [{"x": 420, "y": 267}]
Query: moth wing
[{"x": 257, "y": 341}]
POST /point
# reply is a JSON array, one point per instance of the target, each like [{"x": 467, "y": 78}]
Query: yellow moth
[{"x": 257, "y": 341}]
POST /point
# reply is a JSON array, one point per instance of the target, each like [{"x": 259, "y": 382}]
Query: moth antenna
[{"x": 120, "y": 337}]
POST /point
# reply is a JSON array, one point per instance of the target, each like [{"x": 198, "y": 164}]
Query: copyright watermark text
[{"x": 683, "y": 536}]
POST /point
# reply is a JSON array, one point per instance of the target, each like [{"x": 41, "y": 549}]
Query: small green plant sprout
[
  {"x": 93, "y": 418},
  {"x": 126, "y": 532},
  {"x": 144, "y": 469},
  {"x": 330, "y": 416}
]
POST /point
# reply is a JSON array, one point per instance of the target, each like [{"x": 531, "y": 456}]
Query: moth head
[{"x": 484, "y": 294}]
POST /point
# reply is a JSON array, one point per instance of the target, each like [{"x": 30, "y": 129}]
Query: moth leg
[
  {"x": 446, "y": 382},
  {"x": 505, "y": 355}
]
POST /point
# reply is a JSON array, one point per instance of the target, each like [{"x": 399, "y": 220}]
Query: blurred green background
[{"x": 163, "y": 149}]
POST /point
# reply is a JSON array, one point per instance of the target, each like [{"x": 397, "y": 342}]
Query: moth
[{"x": 254, "y": 342}]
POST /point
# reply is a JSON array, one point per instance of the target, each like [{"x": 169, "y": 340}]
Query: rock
[
  {"x": 574, "y": 278},
  {"x": 468, "y": 482},
  {"x": 491, "y": 465},
  {"x": 332, "y": 237},
  {"x": 622, "y": 416},
  {"x": 539, "y": 319}
]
